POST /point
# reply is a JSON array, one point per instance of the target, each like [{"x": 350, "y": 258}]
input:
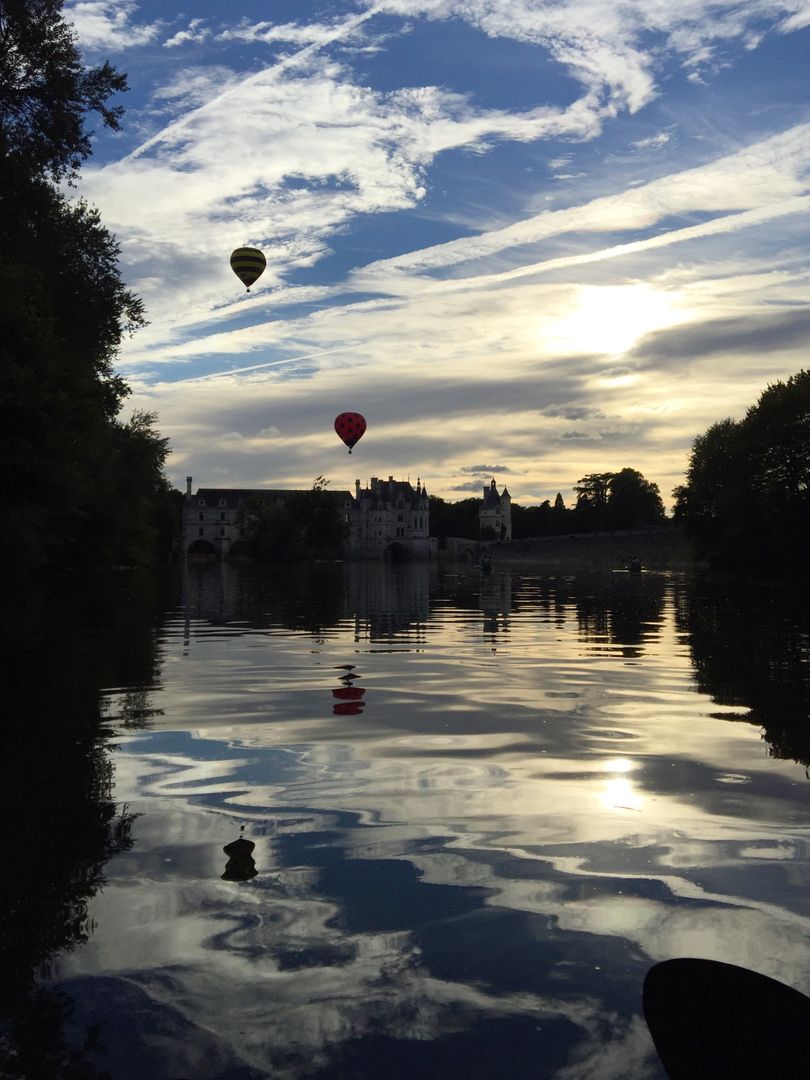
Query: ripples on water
[{"x": 482, "y": 806}]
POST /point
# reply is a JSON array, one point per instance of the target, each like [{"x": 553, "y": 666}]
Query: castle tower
[{"x": 495, "y": 514}]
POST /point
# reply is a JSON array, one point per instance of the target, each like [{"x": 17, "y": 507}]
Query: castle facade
[{"x": 387, "y": 519}]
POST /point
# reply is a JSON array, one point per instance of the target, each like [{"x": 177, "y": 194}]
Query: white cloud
[
  {"x": 197, "y": 31},
  {"x": 312, "y": 33},
  {"x": 652, "y": 142},
  {"x": 798, "y": 20},
  {"x": 290, "y": 156},
  {"x": 106, "y": 24},
  {"x": 763, "y": 174},
  {"x": 614, "y": 48}
]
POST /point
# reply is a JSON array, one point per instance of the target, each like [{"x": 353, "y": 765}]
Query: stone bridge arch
[
  {"x": 397, "y": 553},
  {"x": 201, "y": 547}
]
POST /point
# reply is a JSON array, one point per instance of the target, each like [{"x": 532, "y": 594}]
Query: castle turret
[{"x": 495, "y": 514}]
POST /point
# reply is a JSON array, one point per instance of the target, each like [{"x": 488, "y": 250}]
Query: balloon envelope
[
  {"x": 348, "y": 708},
  {"x": 248, "y": 264},
  {"x": 350, "y": 427}
]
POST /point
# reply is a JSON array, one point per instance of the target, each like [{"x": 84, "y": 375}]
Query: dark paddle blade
[{"x": 713, "y": 1021}]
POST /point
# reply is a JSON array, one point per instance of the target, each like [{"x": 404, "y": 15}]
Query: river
[{"x": 482, "y": 806}]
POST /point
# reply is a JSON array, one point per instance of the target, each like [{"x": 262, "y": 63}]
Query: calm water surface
[{"x": 482, "y": 807}]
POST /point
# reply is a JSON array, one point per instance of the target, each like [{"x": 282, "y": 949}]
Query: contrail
[
  {"x": 341, "y": 31},
  {"x": 267, "y": 364}
]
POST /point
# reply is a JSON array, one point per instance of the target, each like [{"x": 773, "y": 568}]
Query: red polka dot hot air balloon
[{"x": 350, "y": 427}]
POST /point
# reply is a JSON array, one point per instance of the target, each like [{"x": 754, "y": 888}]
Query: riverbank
[{"x": 657, "y": 549}]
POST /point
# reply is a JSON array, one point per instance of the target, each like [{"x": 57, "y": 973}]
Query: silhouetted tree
[
  {"x": 592, "y": 499},
  {"x": 616, "y": 500},
  {"x": 306, "y": 525},
  {"x": 46, "y": 92},
  {"x": 633, "y": 501},
  {"x": 454, "y": 519},
  {"x": 746, "y": 500},
  {"x": 63, "y": 313},
  {"x": 561, "y": 517},
  {"x": 529, "y": 521}
]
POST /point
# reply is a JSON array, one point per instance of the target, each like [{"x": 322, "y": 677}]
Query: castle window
[
  {"x": 201, "y": 532},
  {"x": 400, "y": 517},
  {"x": 222, "y": 516},
  {"x": 221, "y": 532},
  {"x": 202, "y": 516},
  {"x": 201, "y": 502},
  {"x": 223, "y": 502}
]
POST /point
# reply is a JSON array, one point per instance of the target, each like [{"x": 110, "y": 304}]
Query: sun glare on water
[{"x": 618, "y": 792}]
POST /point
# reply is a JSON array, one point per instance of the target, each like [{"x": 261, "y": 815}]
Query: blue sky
[{"x": 525, "y": 239}]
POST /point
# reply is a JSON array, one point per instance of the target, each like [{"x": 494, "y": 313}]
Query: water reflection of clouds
[
  {"x": 486, "y": 842},
  {"x": 281, "y": 971}
]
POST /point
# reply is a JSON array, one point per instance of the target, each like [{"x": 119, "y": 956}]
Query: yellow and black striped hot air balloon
[{"x": 248, "y": 264}]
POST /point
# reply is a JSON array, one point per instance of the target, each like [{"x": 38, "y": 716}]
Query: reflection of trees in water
[
  {"x": 623, "y": 610},
  {"x": 750, "y": 647},
  {"x": 618, "y": 610},
  {"x": 299, "y": 596},
  {"x": 312, "y": 597},
  {"x": 56, "y": 795}
]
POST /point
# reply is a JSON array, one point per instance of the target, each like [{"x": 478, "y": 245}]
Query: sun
[{"x": 610, "y": 319}]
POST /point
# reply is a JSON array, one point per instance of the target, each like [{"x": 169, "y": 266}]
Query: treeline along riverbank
[{"x": 666, "y": 548}]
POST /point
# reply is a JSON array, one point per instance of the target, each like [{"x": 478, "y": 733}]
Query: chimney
[
  {"x": 188, "y": 486},
  {"x": 357, "y": 490},
  {"x": 390, "y": 479}
]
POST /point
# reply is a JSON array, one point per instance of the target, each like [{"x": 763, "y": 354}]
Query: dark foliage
[
  {"x": 306, "y": 525},
  {"x": 617, "y": 500},
  {"x": 752, "y": 652},
  {"x": 61, "y": 822},
  {"x": 79, "y": 485},
  {"x": 454, "y": 519},
  {"x": 605, "y": 501},
  {"x": 746, "y": 501},
  {"x": 46, "y": 92}
]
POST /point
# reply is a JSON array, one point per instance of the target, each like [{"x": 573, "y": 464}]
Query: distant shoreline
[{"x": 657, "y": 548}]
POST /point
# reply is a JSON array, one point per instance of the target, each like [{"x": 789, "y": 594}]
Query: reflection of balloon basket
[{"x": 240, "y": 865}]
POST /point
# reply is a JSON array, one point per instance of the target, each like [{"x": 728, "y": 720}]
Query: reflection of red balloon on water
[
  {"x": 349, "y": 693},
  {"x": 348, "y": 708},
  {"x": 350, "y": 426}
]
